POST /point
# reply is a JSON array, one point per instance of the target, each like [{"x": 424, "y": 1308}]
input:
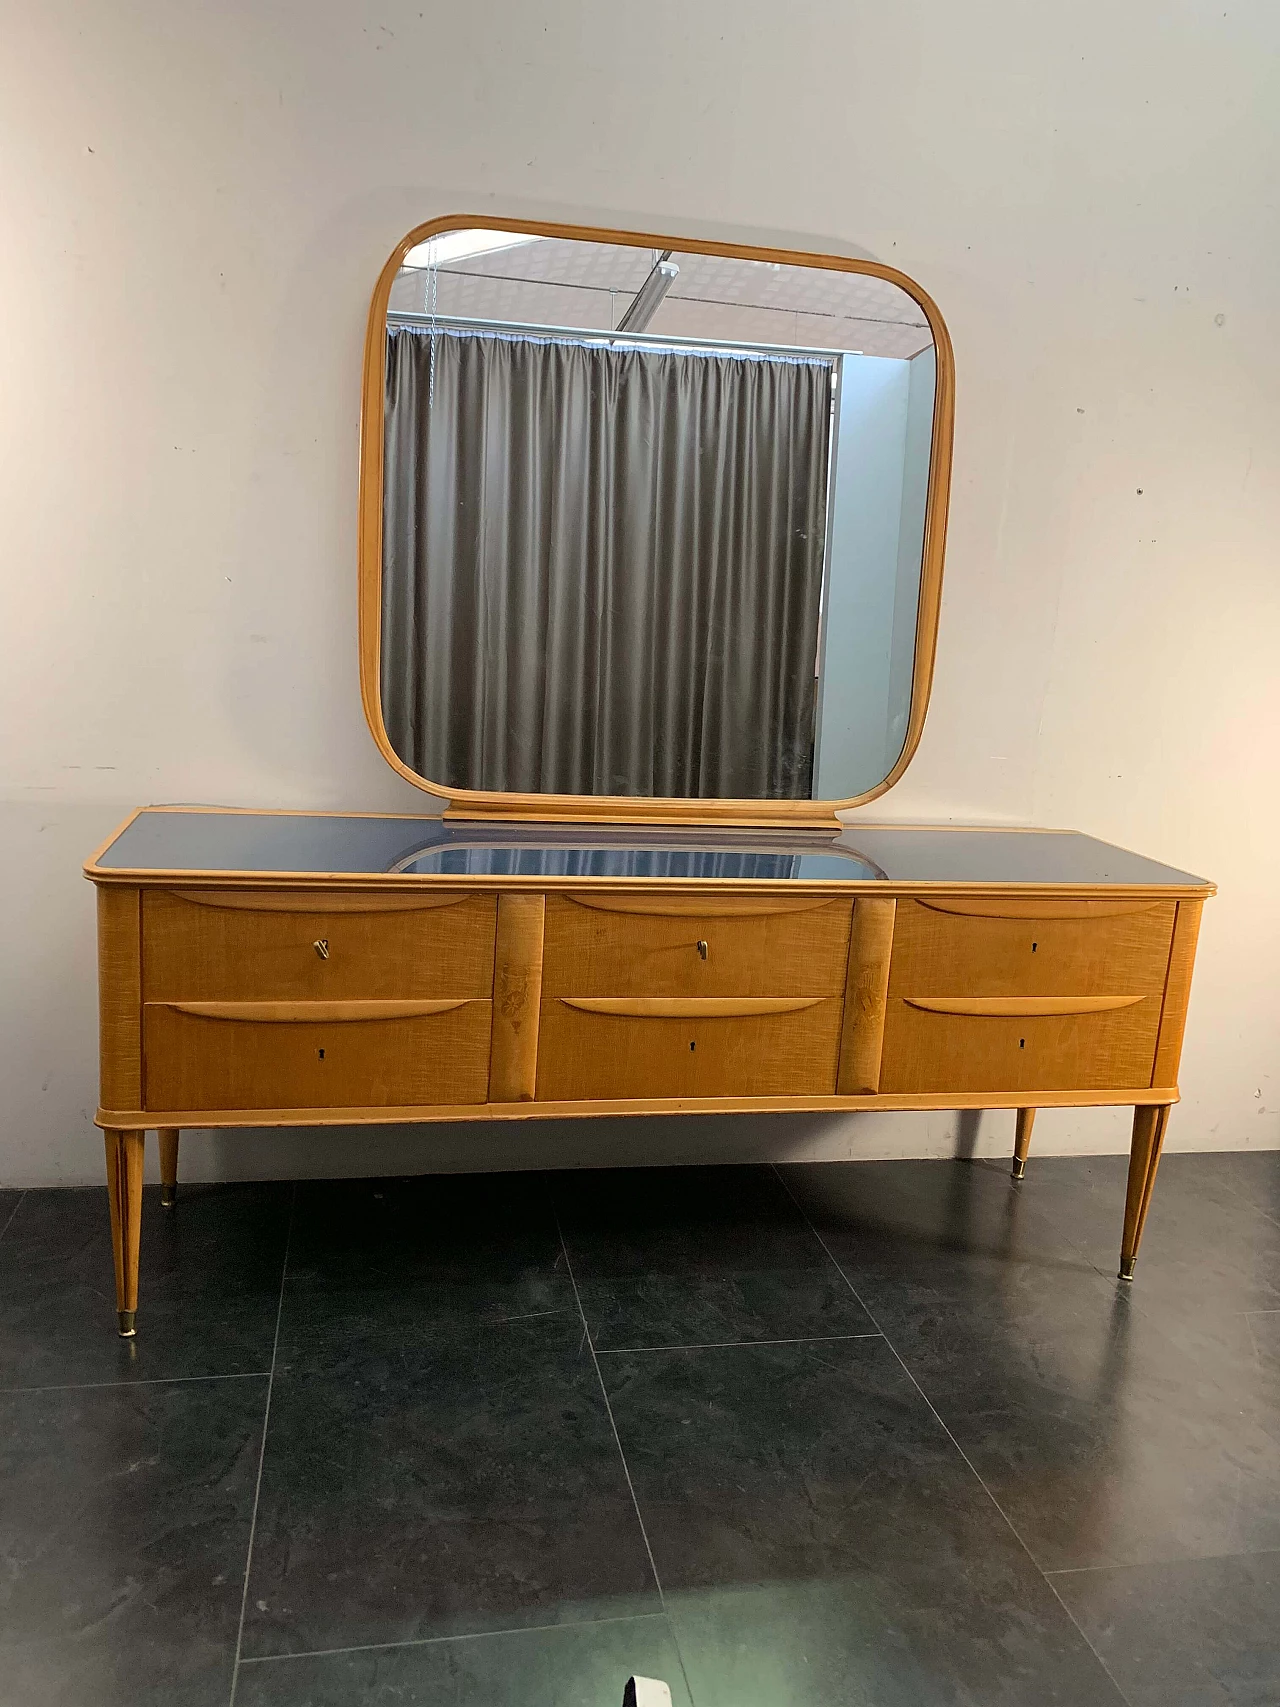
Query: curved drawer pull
[
  {"x": 306, "y": 1013},
  {"x": 1015, "y": 907},
  {"x": 691, "y": 1007},
  {"x": 321, "y": 946},
  {"x": 712, "y": 906},
  {"x": 324, "y": 901},
  {"x": 1020, "y": 1007}
]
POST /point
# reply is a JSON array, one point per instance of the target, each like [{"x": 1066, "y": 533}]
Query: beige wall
[{"x": 195, "y": 202}]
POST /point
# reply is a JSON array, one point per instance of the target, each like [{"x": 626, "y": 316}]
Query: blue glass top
[{"x": 320, "y": 844}]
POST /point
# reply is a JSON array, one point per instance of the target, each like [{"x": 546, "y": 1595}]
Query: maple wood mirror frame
[{"x": 477, "y": 803}]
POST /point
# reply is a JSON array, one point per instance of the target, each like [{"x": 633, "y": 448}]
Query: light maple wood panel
[
  {"x": 586, "y": 1054},
  {"x": 247, "y": 947},
  {"x": 1177, "y": 991},
  {"x": 120, "y": 997},
  {"x": 925, "y": 1050},
  {"x": 200, "y": 1060},
  {"x": 1083, "y": 949},
  {"x": 517, "y": 993},
  {"x": 768, "y": 946},
  {"x": 866, "y": 996}
]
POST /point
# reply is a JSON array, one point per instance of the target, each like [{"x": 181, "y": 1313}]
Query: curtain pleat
[{"x": 602, "y": 567}]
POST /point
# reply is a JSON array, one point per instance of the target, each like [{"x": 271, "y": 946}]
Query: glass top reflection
[{"x": 671, "y": 857}]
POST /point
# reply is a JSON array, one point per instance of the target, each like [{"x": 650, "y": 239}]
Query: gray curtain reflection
[
  {"x": 602, "y": 567},
  {"x": 604, "y": 862}
]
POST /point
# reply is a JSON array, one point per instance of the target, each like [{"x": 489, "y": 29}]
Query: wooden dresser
[{"x": 289, "y": 969}]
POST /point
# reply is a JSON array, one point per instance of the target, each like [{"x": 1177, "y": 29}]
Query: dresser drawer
[
  {"x": 247, "y": 945},
  {"x": 225, "y": 1055},
  {"x": 605, "y": 1048},
  {"x": 1030, "y": 947},
  {"x": 648, "y": 945},
  {"x": 1031, "y": 1044}
]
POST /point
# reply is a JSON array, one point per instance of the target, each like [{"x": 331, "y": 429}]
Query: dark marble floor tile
[
  {"x": 466, "y": 1481},
  {"x": 1251, "y": 1174},
  {"x": 124, "y": 1528},
  {"x": 1198, "y": 1633},
  {"x": 398, "y": 1259},
  {"x": 10, "y": 1198},
  {"x": 813, "y": 1526},
  {"x": 1264, "y": 1331},
  {"x": 208, "y": 1292},
  {"x": 1109, "y": 1433},
  {"x": 698, "y": 1256},
  {"x": 1205, "y": 1250},
  {"x": 573, "y": 1665}
]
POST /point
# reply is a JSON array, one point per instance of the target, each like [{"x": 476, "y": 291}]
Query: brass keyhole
[
  {"x": 702, "y": 949},
  {"x": 321, "y": 946}
]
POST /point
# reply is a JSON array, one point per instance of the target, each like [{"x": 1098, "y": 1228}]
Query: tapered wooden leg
[
  {"x": 168, "y": 1136},
  {"x": 124, "y": 1187},
  {"x": 1149, "y": 1127},
  {"x": 1022, "y": 1141}
]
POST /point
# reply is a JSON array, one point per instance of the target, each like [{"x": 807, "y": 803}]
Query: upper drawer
[
  {"x": 1013, "y": 947},
  {"x": 685, "y": 945},
  {"x": 254, "y": 945}
]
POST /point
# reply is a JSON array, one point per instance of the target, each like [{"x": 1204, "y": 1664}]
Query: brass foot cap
[
  {"x": 127, "y": 1329},
  {"x": 168, "y": 1195},
  {"x": 1127, "y": 1265},
  {"x": 1019, "y": 1168}
]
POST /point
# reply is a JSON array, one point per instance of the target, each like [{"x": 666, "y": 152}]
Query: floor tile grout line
[
  {"x": 262, "y": 1452},
  {"x": 437, "y": 1641},
  {"x": 140, "y": 1381},
  {"x": 733, "y": 1345},
  {"x": 604, "y": 1393},
  {"x": 1012, "y": 1527},
  {"x": 17, "y": 1206},
  {"x": 1162, "y": 1564}
]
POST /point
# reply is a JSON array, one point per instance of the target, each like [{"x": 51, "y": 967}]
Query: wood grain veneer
[
  {"x": 1076, "y": 953},
  {"x": 197, "y": 950},
  {"x": 590, "y": 1055},
  {"x": 194, "y": 1060},
  {"x": 763, "y": 949}
]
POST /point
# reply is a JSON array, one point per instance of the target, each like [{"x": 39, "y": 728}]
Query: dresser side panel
[
  {"x": 1177, "y": 993},
  {"x": 119, "y": 997}
]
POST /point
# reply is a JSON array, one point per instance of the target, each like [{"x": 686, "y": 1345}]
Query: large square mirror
[{"x": 650, "y": 527}]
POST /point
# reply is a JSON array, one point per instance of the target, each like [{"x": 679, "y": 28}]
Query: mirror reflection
[{"x": 652, "y": 520}]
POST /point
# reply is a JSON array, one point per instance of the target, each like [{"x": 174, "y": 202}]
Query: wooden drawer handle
[
  {"x": 265, "y": 901},
  {"x": 691, "y": 1007},
  {"x": 305, "y": 1013},
  {"x": 704, "y": 906},
  {"x": 1020, "y": 1007},
  {"x": 1011, "y": 908}
]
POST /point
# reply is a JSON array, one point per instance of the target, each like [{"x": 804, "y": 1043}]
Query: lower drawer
[
  {"x": 928, "y": 1049},
  {"x": 314, "y": 1055},
  {"x": 592, "y": 1049}
]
